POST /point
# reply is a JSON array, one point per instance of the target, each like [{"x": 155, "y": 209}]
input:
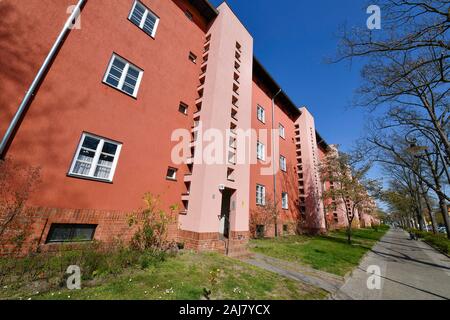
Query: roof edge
[{"x": 274, "y": 83}]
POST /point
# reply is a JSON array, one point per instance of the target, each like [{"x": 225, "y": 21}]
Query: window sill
[
  {"x": 170, "y": 179},
  {"x": 71, "y": 175}
]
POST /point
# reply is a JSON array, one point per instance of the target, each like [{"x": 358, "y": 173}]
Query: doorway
[{"x": 225, "y": 212}]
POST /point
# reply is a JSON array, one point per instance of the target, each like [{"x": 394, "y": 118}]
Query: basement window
[
  {"x": 123, "y": 76},
  {"x": 260, "y": 231},
  {"x": 71, "y": 233},
  {"x": 96, "y": 158},
  {"x": 144, "y": 18}
]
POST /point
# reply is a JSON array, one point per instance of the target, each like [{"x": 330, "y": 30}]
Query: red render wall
[
  {"x": 23, "y": 46},
  {"x": 286, "y": 182},
  {"x": 73, "y": 99}
]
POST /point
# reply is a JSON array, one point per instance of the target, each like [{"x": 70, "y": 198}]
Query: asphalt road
[{"x": 410, "y": 270}]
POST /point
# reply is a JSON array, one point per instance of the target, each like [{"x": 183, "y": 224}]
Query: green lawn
[
  {"x": 329, "y": 253},
  {"x": 184, "y": 277}
]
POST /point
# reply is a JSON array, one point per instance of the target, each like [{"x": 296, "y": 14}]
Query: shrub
[
  {"x": 94, "y": 263},
  {"x": 17, "y": 183},
  {"x": 153, "y": 224},
  {"x": 438, "y": 241},
  {"x": 418, "y": 233}
]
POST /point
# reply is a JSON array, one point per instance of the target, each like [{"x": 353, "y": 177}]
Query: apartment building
[{"x": 128, "y": 80}]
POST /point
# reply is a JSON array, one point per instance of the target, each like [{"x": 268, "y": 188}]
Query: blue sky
[{"x": 292, "y": 40}]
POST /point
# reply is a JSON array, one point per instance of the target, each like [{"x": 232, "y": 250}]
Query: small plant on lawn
[
  {"x": 152, "y": 224},
  {"x": 213, "y": 280}
]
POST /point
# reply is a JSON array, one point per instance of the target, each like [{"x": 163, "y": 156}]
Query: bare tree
[
  {"x": 16, "y": 185},
  {"x": 408, "y": 28},
  {"x": 264, "y": 215},
  {"x": 351, "y": 187},
  {"x": 406, "y": 77},
  {"x": 389, "y": 146}
]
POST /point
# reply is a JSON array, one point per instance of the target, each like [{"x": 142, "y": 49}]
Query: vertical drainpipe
[
  {"x": 274, "y": 159},
  {"x": 39, "y": 76}
]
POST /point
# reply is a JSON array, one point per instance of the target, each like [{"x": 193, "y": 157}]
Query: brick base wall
[
  {"x": 112, "y": 226},
  {"x": 213, "y": 241}
]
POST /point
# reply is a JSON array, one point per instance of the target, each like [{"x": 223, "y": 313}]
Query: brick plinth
[
  {"x": 213, "y": 241},
  {"x": 112, "y": 227}
]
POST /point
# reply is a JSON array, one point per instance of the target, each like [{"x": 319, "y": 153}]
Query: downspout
[
  {"x": 274, "y": 159},
  {"x": 39, "y": 76}
]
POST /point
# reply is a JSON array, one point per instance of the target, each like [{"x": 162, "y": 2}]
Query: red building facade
[{"x": 101, "y": 124}]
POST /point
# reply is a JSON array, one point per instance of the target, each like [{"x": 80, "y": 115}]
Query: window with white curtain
[
  {"x": 261, "y": 113},
  {"x": 283, "y": 166},
  {"x": 261, "y": 151},
  {"x": 284, "y": 200},
  {"x": 282, "y": 131},
  {"x": 95, "y": 158},
  {"x": 123, "y": 75},
  {"x": 144, "y": 18},
  {"x": 260, "y": 195}
]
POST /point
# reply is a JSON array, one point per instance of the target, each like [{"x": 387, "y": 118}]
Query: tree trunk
[
  {"x": 349, "y": 234},
  {"x": 444, "y": 212},
  {"x": 431, "y": 213}
]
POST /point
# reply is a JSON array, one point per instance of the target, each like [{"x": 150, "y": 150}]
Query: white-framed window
[
  {"x": 260, "y": 195},
  {"x": 282, "y": 131},
  {"x": 284, "y": 200},
  {"x": 95, "y": 158},
  {"x": 144, "y": 18},
  {"x": 283, "y": 165},
  {"x": 261, "y": 113},
  {"x": 261, "y": 151},
  {"x": 123, "y": 76},
  {"x": 171, "y": 173}
]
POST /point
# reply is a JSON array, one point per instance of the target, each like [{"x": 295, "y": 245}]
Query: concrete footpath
[{"x": 410, "y": 270}]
